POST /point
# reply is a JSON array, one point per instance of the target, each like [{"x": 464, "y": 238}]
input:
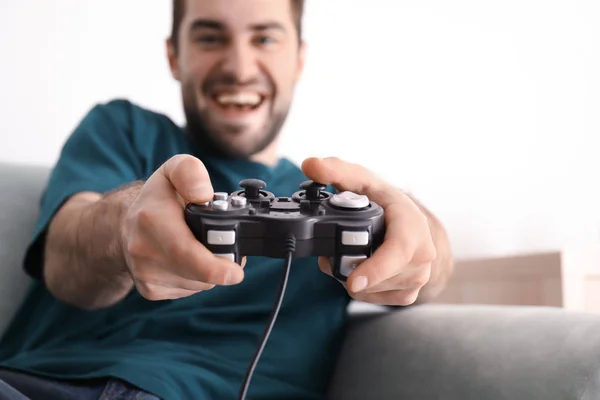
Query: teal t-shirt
[{"x": 192, "y": 348}]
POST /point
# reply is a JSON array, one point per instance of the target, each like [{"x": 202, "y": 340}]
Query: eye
[
  {"x": 264, "y": 40},
  {"x": 210, "y": 40}
]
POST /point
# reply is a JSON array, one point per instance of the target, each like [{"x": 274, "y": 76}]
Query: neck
[{"x": 269, "y": 156}]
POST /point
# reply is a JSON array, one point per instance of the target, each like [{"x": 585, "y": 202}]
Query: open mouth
[{"x": 239, "y": 101}]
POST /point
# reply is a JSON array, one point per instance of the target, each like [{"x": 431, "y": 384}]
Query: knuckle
[
  {"x": 405, "y": 298},
  {"x": 136, "y": 248},
  {"x": 421, "y": 278},
  {"x": 152, "y": 295},
  {"x": 426, "y": 254},
  {"x": 148, "y": 292},
  {"x": 431, "y": 254},
  {"x": 144, "y": 219},
  {"x": 142, "y": 277},
  {"x": 178, "y": 253},
  {"x": 423, "y": 220}
]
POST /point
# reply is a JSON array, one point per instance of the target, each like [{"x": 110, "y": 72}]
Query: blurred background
[{"x": 487, "y": 111}]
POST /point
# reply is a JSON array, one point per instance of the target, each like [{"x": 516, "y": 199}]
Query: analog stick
[
  {"x": 252, "y": 188},
  {"x": 313, "y": 189}
]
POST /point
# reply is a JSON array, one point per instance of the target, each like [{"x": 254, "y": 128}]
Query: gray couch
[{"x": 424, "y": 352}]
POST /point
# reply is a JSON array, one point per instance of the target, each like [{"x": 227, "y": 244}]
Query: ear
[
  {"x": 301, "y": 59},
  {"x": 172, "y": 58}
]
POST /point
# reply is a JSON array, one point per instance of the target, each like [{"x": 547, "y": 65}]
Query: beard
[{"x": 220, "y": 141}]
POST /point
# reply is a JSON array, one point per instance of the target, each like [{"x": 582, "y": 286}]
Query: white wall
[{"x": 491, "y": 106}]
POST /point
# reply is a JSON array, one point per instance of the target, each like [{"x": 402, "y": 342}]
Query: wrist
[{"x": 121, "y": 200}]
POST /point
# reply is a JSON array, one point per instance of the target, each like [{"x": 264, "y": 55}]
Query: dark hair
[{"x": 179, "y": 13}]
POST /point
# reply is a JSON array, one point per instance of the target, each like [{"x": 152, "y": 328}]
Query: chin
[
  {"x": 231, "y": 137},
  {"x": 243, "y": 147}
]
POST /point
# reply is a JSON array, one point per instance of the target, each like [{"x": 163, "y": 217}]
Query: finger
[
  {"x": 351, "y": 177},
  {"x": 188, "y": 176},
  {"x": 150, "y": 274},
  {"x": 191, "y": 260},
  {"x": 390, "y": 298},
  {"x": 392, "y": 257},
  {"x": 413, "y": 278},
  {"x": 153, "y": 293},
  {"x": 178, "y": 248},
  {"x": 325, "y": 265}
]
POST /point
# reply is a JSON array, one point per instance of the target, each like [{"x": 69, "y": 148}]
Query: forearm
[
  {"x": 443, "y": 265},
  {"x": 84, "y": 263}
]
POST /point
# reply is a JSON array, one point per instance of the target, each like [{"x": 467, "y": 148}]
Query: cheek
[
  {"x": 284, "y": 74},
  {"x": 195, "y": 69}
]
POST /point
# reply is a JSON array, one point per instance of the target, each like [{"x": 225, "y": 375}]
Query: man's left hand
[{"x": 402, "y": 265}]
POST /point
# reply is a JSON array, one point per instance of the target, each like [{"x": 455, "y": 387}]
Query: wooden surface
[{"x": 568, "y": 278}]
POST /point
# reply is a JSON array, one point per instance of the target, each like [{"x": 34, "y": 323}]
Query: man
[{"x": 127, "y": 300}]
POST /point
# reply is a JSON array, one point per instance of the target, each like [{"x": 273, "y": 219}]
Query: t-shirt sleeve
[{"x": 98, "y": 156}]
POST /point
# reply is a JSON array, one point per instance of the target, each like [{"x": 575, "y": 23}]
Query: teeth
[{"x": 239, "y": 99}]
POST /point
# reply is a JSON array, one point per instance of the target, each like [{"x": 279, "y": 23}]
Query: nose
[{"x": 240, "y": 62}]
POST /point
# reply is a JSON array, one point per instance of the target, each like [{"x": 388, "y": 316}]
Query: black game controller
[{"x": 346, "y": 227}]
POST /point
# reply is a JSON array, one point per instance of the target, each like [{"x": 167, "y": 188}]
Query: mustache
[{"x": 226, "y": 81}]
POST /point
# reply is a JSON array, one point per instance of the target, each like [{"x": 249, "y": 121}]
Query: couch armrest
[
  {"x": 20, "y": 189},
  {"x": 470, "y": 352}
]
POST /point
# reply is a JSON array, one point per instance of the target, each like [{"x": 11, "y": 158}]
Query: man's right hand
[{"x": 164, "y": 258}]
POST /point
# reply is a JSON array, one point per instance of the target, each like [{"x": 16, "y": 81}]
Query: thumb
[
  {"x": 188, "y": 177},
  {"x": 341, "y": 174},
  {"x": 320, "y": 170},
  {"x": 349, "y": 176}
]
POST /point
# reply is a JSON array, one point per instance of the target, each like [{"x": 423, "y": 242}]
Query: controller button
[
  {"x": 221, "y": 196},
  {"x": 349, "y": 200},
  {"x": 222, "y": 238},
  {"x": 238, "y": 201},
  {"x": 353, "y": 238},
  {"x": 229, "y": 256},
  {"x": 220, "y": 205},
  {"x": 349, "y": 263}
]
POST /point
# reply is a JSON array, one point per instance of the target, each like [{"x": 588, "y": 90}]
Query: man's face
[{"x": 238, "y": 62}]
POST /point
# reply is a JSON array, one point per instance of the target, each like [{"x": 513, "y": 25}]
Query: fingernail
[
  {"x": 359, "y": 284},
  {"x": 233, "y": 277},
  {"x": 201, "y": 192}
]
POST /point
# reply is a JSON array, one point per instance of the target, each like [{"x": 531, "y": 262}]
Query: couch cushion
[{"x": 20, "y": 190}]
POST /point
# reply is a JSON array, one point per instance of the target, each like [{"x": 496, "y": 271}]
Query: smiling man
[
  {"x": 126, "y": 303},
  {"x": 238, "y": 72}
]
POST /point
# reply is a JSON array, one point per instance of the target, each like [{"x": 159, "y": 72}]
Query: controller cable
[{"x": 290, "y": 247}]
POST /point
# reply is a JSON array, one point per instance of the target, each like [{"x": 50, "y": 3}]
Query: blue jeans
[{"x": 20, "y": 386}]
